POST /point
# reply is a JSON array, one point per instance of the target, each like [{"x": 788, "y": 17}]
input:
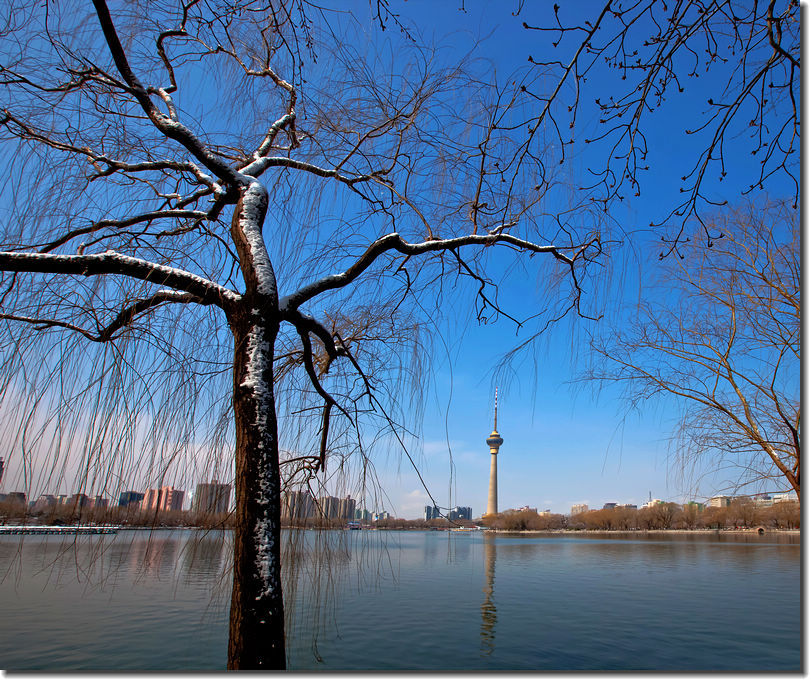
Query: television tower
[{"x": 494, "y": 441}]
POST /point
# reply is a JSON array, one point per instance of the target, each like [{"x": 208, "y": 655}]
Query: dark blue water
[{"x": 412, "y": 600}]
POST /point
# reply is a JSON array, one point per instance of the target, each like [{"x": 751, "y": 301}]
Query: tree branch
[
  {"x": 394, "y": 242},
  {"x": 112, "y": 263}
]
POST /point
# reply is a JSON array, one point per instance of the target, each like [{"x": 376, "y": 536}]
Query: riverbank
[{"x": 667, "y": 531}]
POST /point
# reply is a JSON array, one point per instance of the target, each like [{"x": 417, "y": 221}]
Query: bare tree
[
  {"x": 639, "y": 58},
  {"x": 208, "y": 220},
  {"x": 721, "y": 333}
]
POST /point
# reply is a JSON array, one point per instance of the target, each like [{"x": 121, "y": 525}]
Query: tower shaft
[{"x": 493, "y": 502}]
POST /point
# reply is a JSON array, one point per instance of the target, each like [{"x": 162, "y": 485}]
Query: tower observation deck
[{"x": 494, "y": 441}]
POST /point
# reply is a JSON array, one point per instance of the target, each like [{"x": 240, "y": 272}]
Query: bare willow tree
[
  {"x": 245, "y": 212},
  {"x": 721, "y": 333},
  {"x": 628, "y": 63}
]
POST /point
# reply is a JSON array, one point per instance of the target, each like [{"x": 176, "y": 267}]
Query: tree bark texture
[{"x": 257, "y": 620}]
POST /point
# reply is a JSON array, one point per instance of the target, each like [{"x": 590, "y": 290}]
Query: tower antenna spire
[{"x": 495, "y": 406}]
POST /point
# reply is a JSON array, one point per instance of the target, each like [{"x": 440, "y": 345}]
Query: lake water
[{"x": 411, "y": 600}]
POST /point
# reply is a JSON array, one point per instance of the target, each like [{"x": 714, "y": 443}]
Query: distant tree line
[
  {"x": 742, "y": 513},
  {"x": 524, "y": 520}
]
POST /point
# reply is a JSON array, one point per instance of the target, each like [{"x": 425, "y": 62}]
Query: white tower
[{"x": 494, "y": 441}]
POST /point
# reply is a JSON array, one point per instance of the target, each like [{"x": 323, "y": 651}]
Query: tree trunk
[{"x": 257, "y": 621}]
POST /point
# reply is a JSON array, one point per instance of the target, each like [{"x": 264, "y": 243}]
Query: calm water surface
[{"x": 411, "y": 600}]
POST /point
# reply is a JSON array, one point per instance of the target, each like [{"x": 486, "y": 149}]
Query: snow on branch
[
  {"x": 394, "y": 242},
  {"x": 112, "y": 263}
]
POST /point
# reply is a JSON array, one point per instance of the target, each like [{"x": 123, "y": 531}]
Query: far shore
[{"x": 667, "y": 531}]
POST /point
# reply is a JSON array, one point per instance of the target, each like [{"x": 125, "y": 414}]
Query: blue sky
[{"x": 565, "y": 443}]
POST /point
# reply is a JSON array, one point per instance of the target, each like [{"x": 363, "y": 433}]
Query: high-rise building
[
  {"x": 2, "y": 467},
  {"x": 298, "y": 504},
  {"x": 579, "y": 509},
  {"x": 166, "y": 498},
  {"x": 212, "y": 498},
  {"x": 346, "y": 508},
  {"x": 130, "y": 498},
  {"x": 457, "y": 513},
  {"x": 494, "y": 441},
  {"x": 430, "y": 513},
  {"x": 100, "y": 502},
  {"x": 329, "y": 507}
]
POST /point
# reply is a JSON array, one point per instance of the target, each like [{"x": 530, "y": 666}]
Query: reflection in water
[
  {"x": 205, "y": 559},
  {"x": 368, "y": 600},
  {"x": 488, "y": 609}
]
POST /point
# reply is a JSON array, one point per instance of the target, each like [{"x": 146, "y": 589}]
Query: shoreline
[{"x": 665, "y": 531}]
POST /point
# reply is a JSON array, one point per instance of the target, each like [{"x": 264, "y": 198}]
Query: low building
[
  {"x": 610, "y": 505},
  {"x": 16, "y": 498},
  {"x": 719, "y": 501},
  {"x": 363, "y": 515},
  {"x": 785, "y": 497},
  {"x": 44, "y": 502},
  {"x": 79, "y": 501}
]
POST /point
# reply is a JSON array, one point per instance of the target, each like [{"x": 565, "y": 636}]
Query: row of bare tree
[
  {"x": 742, "y": 513},
  {"x": 668, "y": 515}
]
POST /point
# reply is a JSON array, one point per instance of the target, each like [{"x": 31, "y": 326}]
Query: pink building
[{"x": 166, "y": 498}]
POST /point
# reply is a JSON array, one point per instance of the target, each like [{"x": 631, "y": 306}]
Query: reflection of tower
[
  {"x": 488, "y": 609},
  {"x": 493, "y": 441}
]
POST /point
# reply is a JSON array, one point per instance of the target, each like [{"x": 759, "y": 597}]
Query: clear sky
[{"x": 564, "y": 442}]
